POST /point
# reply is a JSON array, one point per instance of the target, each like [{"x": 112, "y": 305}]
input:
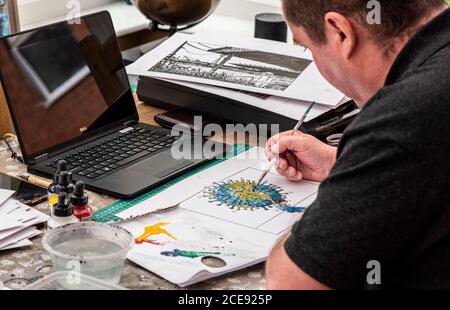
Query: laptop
[{"x": 69, "y": 97}]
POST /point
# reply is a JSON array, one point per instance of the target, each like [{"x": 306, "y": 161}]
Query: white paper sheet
[
  {"x": 23, "y": 214},
  {"x": 4, "y": 195},
  {"x": 26, "y": 233},
  {"x": 205, "y": 225},
  {"x": 19, "y": 213},
  {"x": 18, "y": 244},
  {"x": 7, "y": 222},
  {"x": 236, "y": 63},
  {"x": 291, "y": 108}
]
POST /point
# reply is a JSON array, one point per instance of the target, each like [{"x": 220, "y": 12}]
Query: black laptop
[{"x": 69, "y": 97}]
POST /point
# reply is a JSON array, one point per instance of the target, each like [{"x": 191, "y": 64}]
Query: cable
[{"x": 14, "y": 154}]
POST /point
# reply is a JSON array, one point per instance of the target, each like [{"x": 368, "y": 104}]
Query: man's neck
[{"x": 382, "y": 61}]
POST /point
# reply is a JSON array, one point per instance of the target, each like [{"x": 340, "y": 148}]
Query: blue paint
[{"x": 243, "y": 195}]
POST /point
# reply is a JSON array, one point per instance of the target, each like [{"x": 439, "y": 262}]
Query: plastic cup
[
  {"x": 69, "y": 280},
  {"x": 94, "y": 249}
]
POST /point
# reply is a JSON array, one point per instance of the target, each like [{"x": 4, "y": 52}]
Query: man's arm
[
  {"x": 283, "y": 274},
  {"x": 369, "y": 208}
]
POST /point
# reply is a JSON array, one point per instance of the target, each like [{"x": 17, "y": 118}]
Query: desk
[{"x": 19, "y": 268}]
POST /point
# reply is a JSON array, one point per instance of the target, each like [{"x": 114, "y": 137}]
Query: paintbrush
[
  {"x": 275, "y": 157},
  {"x": 35, "y": 180},
  {"x": 132, "y": 218}
]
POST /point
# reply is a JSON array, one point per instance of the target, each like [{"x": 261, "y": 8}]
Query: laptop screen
[{"x": 65, "y": 81}]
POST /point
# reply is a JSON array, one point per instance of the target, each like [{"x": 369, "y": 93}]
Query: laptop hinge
[
  {"x": 129, "y": 123},
  {"x": 40, "y": 157}
]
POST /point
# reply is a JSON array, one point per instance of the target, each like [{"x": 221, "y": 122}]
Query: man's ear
[{"x": 340, "y": 33}]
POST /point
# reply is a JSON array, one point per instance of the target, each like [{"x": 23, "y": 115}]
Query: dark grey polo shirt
[{"x": 387, "y": 198}]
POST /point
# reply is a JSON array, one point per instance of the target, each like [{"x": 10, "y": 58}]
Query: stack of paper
[
  {"x": 4, "y": 195},
  {"x": 17, "y": 222},
  {"x": 274, "y": 76}
]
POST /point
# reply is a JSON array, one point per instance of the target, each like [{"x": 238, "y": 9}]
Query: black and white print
[{"x": 235, "y": 65}]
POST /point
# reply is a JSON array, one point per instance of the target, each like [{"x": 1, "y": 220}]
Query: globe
[{"x": 176, "y": 13}]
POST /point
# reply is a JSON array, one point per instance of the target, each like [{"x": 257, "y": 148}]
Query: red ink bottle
[{"x": 80, "y": 202}]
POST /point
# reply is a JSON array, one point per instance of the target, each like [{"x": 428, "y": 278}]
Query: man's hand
[{"x": 301, "y": 156}]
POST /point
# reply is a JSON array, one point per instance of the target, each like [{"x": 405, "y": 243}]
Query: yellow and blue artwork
[{"x": 245, "y": 195}]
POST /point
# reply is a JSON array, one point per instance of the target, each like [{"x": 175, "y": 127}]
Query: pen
[
  {"x": 35, "y": 181},
  {"x": 276, "y": 157}
]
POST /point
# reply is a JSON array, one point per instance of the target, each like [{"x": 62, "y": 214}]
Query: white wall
[
  {"x": 35, "y": 11},
  {"x": 235, "y": 16}
]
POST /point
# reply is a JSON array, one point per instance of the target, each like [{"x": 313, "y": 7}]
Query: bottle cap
[
  {"x": 79, "y": 196},
  {"x": 60, "y": 166},
  {"x": 70, "y": 188},
  {"x": 65, "y": 178},
  {"x": 62, "y": 209}
]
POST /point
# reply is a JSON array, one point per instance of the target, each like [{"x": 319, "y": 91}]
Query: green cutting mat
[{"x": 108, "y": 214}]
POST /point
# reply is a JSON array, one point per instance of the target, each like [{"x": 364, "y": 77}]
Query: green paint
[{"x": 189, "y": 254}]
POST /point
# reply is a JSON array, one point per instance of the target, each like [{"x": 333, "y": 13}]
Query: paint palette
[{"x": 187, "y": 248}]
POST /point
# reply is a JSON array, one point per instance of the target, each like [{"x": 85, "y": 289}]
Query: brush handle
[
  {"x": 36, "y": 181},
  {"x": 273, "y": 163}
]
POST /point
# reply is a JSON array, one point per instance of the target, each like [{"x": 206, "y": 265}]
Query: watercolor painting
[
  {"x": 153, "y": 230},
  {"x": 273, "y": 206},
  {"x": 245, "y": 195}
]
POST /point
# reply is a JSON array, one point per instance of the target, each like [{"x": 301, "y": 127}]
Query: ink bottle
[
  {"x": 51, "y": 191},
  {"x": 62, "y": 213},
  {"x": 79, "y": 201},
  {"x": 65, "y": 183}
]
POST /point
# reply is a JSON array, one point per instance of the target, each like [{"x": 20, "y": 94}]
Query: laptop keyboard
[{"x": 115, "y": 152}]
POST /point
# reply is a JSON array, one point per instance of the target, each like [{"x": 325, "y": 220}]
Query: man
[{"x": 382, "y": 215}]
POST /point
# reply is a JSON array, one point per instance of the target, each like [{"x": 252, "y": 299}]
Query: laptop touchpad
[{"x": 160, "y": 165}]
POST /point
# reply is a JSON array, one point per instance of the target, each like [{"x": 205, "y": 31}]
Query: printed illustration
[{"x": 233, "y": 65}]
